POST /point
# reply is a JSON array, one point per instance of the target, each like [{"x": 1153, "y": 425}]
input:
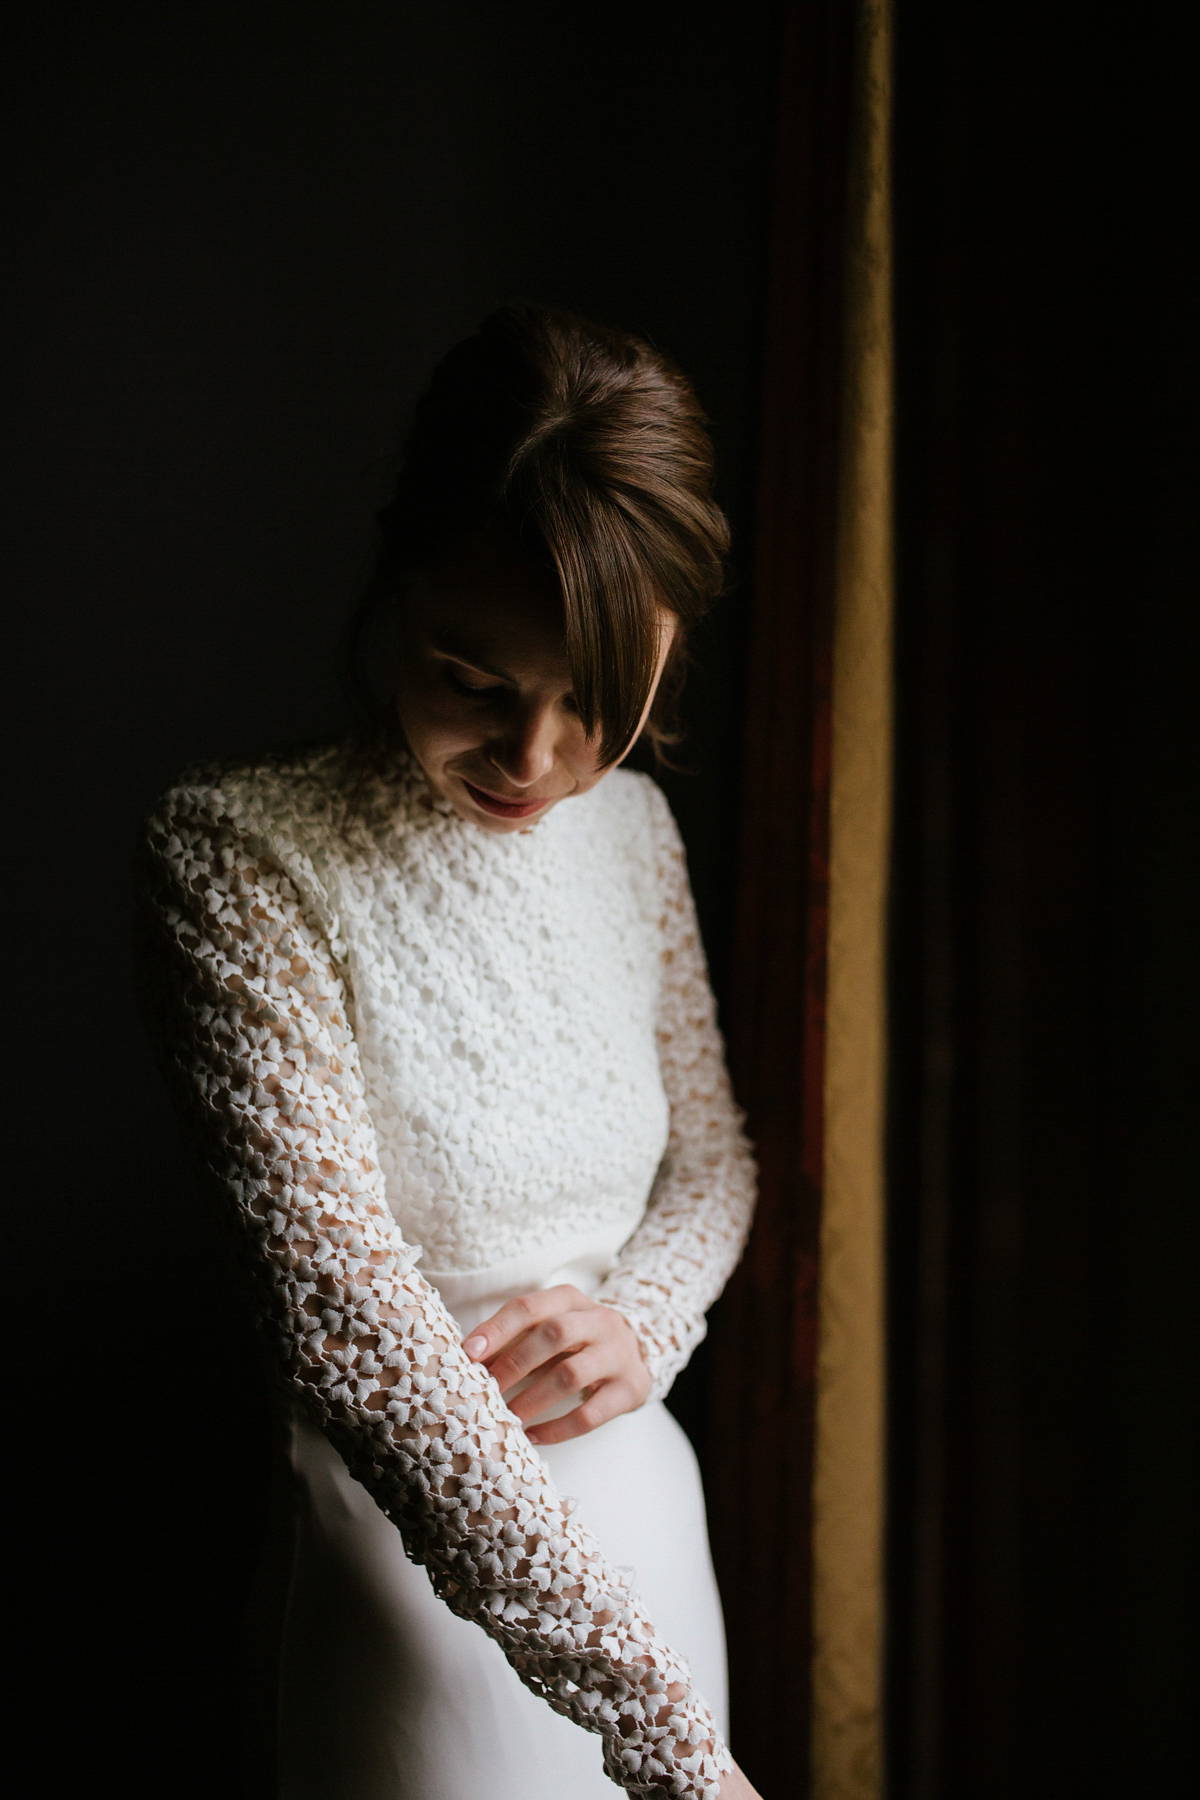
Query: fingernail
[{"x": 475, "y": 1346}]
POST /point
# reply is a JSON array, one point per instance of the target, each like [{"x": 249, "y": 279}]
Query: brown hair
[{"x": 591, "y": 448}]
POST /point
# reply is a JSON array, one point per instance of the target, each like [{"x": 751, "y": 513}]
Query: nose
[{"x": 524, "y": 753}]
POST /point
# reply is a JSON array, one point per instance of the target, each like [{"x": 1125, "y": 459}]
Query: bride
[{"x": 434, "y": 1005}]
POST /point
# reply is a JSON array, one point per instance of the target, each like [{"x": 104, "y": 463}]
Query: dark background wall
[
  {"x": 241, "y": 237},
  {"x": 1043, "y": 1183}
]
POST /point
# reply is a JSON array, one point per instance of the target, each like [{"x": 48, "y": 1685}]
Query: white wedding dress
[{"x": 432, "y": 1069}]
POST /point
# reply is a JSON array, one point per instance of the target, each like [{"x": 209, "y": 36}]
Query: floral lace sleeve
[
  {"x": 684, "y": 1251},
  {"x": 251, "y": 1023}
]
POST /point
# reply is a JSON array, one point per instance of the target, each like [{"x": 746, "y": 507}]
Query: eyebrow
[{"x": 449, "y": 645}]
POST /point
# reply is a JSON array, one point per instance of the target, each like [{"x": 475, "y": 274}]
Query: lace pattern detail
[
  {"x": 699, "y": 1212},
  {"x": 247, "y": 949}
]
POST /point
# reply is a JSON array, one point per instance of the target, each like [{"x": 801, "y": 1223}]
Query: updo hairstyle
[{"x": 591, "y": 449}]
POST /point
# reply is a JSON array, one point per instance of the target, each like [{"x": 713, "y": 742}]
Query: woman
[{"x": 449, "y": 1050}]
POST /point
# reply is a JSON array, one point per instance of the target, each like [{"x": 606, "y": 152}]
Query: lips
[{"x": 503, "y": 809}]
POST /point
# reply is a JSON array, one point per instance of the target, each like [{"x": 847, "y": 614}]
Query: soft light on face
[{"x": 484, "y": 694}]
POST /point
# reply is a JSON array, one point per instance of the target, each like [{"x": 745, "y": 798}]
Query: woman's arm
[
  {"x": 684, "y": 1251},
  {"x": 251, "y": 1023}
]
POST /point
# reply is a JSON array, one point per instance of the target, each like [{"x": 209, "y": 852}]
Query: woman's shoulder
[
  {"x": 297, "y": 796},
  {"x": 635, "y": 820},
  {"x": 636, "y": 804},
  {"x": 292, "y": 782}
]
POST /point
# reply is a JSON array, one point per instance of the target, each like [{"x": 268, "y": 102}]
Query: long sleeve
[
  {"x": 244, "y": 997},
  {"x": 684, "y": 1251}
]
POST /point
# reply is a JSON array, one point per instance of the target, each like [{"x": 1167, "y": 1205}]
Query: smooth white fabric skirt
[{"x": 384, "y": 1694}]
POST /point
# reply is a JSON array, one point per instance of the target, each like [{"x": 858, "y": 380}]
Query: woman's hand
[
  {"x": 569, "y": 1345},
  {"x": 736, "y": 1787}
]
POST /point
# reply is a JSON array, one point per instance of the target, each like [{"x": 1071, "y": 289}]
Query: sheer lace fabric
[{"x": 303, "y": 972}]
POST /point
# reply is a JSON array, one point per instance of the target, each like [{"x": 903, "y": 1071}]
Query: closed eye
[{"x": 477, "y": 688}]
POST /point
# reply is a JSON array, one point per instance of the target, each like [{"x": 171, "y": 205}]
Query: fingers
[
  {"x": 537, "y": 1329},
  {"x": 556, "y": 1382},
  {"x": 603, "y": 1404},
  {"x": 548, "y": 1342},
  {"x": 516, "y": 1317},
  {"x": 564, "y": 1344}
]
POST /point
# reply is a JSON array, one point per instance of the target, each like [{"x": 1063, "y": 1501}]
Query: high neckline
[{"x": 417, "y": 804}]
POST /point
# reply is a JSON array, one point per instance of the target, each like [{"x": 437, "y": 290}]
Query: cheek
[
  {"x": 583, "y": 760},
  {"x": 435, "y": 721}
]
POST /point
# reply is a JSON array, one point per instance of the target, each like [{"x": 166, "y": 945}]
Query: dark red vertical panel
[{"x": 765, "y": 1329}]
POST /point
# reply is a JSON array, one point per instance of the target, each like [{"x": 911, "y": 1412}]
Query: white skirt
[{"x": 384, "y": 1694}]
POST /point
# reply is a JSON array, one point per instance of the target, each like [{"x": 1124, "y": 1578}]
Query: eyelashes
[
  {"x": 458, "y": 686},
  {"x": 492, "y": 690}
]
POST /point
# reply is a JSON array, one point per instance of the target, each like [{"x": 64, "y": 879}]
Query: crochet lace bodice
[{"x": 407, "y": 1046}]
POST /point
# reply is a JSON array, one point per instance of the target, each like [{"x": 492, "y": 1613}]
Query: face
[{"x": 484, "y": 695}]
